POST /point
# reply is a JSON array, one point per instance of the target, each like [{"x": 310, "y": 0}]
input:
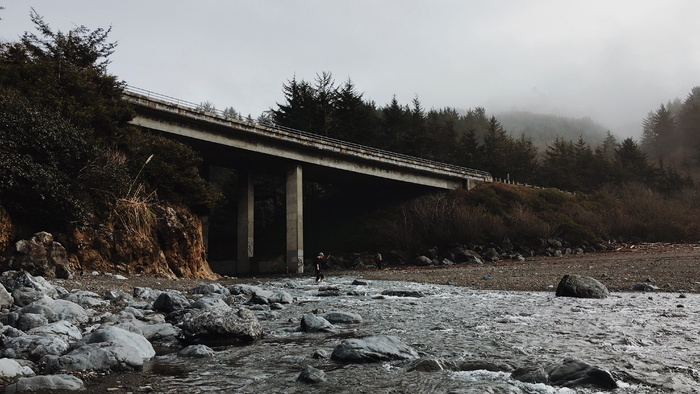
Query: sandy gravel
[{"x": 671, "y": 267}]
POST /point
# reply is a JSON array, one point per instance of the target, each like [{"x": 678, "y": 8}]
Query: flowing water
[{"x": 650, "y": 337}]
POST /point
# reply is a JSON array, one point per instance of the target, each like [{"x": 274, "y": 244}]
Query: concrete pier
[
  {"x": 295, "y": 220},
  {"x": 246, "y": 221}
]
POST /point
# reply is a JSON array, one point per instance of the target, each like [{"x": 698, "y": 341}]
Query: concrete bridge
[{"x": 253, "y": 148}]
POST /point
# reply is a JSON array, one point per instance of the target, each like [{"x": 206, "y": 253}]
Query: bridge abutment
[{"x": 295, "y": 220}]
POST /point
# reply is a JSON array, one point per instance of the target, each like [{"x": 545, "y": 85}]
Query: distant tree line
[{"x": 476, "y": 140}]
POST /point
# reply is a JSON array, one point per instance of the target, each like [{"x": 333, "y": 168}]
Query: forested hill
[{"x": 543, "y": 129}]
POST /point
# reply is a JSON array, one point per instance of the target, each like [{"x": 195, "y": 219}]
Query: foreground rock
[
  {"x": 373, "y": 349},
  {"x": 581, "y": 287},
  {"x": 222, "y": 324},
  {"x": 42, "y": 384}
]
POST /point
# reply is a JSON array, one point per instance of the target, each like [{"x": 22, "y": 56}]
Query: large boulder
[
  {"x": 110, "y": 348},
  {"x": 170, "y": 301},
  {"x": 41, "y": 255},
  {"x": 581, "y": 287},
  {"x": 373, "y": 349},
  {"x": 221, "y": 325}
]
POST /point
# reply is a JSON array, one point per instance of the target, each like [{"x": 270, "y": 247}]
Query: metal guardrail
[{"x": 380, "y": 152}]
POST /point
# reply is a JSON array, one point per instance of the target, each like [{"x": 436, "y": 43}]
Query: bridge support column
[
  {"x": 246, "y": 220},
  {"x": 295, "y": 220}
]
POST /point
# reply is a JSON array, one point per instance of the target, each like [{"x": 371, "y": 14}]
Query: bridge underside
[{"x": 296, "y": 161}]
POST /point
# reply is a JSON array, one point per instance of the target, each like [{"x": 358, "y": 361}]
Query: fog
[{"x": 610, "y": 61}]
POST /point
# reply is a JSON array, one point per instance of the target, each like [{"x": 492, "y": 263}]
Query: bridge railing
[{"x": 306, "y": 134}]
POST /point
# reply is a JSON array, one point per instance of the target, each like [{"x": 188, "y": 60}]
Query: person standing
[{"x": 318, "y": 262}]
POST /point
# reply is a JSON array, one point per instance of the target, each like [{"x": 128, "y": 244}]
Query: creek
[{"x": 649, "y": 339}]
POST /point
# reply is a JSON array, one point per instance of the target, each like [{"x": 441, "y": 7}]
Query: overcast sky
[{"x": 612, "y": 61}]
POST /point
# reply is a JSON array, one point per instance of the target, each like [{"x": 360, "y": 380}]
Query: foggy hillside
[{"x": 543, "y": 129}]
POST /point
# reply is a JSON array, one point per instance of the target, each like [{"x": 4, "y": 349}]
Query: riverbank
[{"x": 670, "y": 267}]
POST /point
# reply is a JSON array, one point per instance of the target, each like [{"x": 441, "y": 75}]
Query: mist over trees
[{"x": 570, "y": 154}]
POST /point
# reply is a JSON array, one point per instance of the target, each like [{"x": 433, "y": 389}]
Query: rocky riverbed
[{"x": 461, "y": 330}]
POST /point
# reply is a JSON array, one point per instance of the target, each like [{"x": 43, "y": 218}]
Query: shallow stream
[{"x": 652, "y": 338}]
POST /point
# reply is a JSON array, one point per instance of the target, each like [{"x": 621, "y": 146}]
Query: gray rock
[
  {"x": 110, "y": 348},
  {"x": 360, "y": 282},
  {"x": 27, "y": 321},
  {"x": 372, "y": 349},
  {"x": 13, "y": 280},
  {"x": 403, "y": 293},
  {"x": 170, "y": 301},
  {"x": 55, "y": 310},
  {"x": 33, "y": 347},
  {"x": 531, "y": 375},
  {"x": 574, "y": 373},
  {"x": 86, "y": 299},
  {"x": 312, "y": 323},
  {"x": 118, "y": 297},
  {"x": 320, "y": 354},
  {"x": 312, "y": 375},
  {"x": 46, "y": 382},
  {"x": 11, "y": 369},
  {"x": 581, "y": 287},
  {"x": 61, "y": 329},
  {"x": 146, "y": 293},
  {"x": 328, "y": 291},
  {"x": 423, "y": 261},
  {"x": 210, "y": 288},
  {"x": 644, "y": 286},
  {"x": 6, "y": 299},
  {"x": 342, "y": 317},
  {"x": 26, "y": 295},
  {"x": 221, "y": 324},
  {"x": 197, "y": 351},
  {"x": 211, "y": 301}
]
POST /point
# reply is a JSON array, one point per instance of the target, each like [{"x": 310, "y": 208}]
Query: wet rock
[
  {"x": 320, "y": 354},
  {"x": 170, "y": 301},
  {"x": 197, "y": 351},
  {"x": 110, "y": 348},
  {"x": 343, "y": 317},
  {"x": 531, "y": 375},
  {"x": 403, "y": 293},
  {"x": 313, "y": 323},
  {"x": 360, "y": 282},
  {"x": 328, "y": 291},
  {"x": 44, "y": 383},
  {"x": 269, "y": 297},
  {"x": 581, "y": 287},
  {"x": 222, "y": 324},
  {"x": 427, "y": 365},
  {"x": 372, "y": 349},
  {"x": 312, "y": 375},
  {"x": 644, "y": 286},
  {"x": 476, "y": 365},
  {"x": 574, "y": 373}
]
